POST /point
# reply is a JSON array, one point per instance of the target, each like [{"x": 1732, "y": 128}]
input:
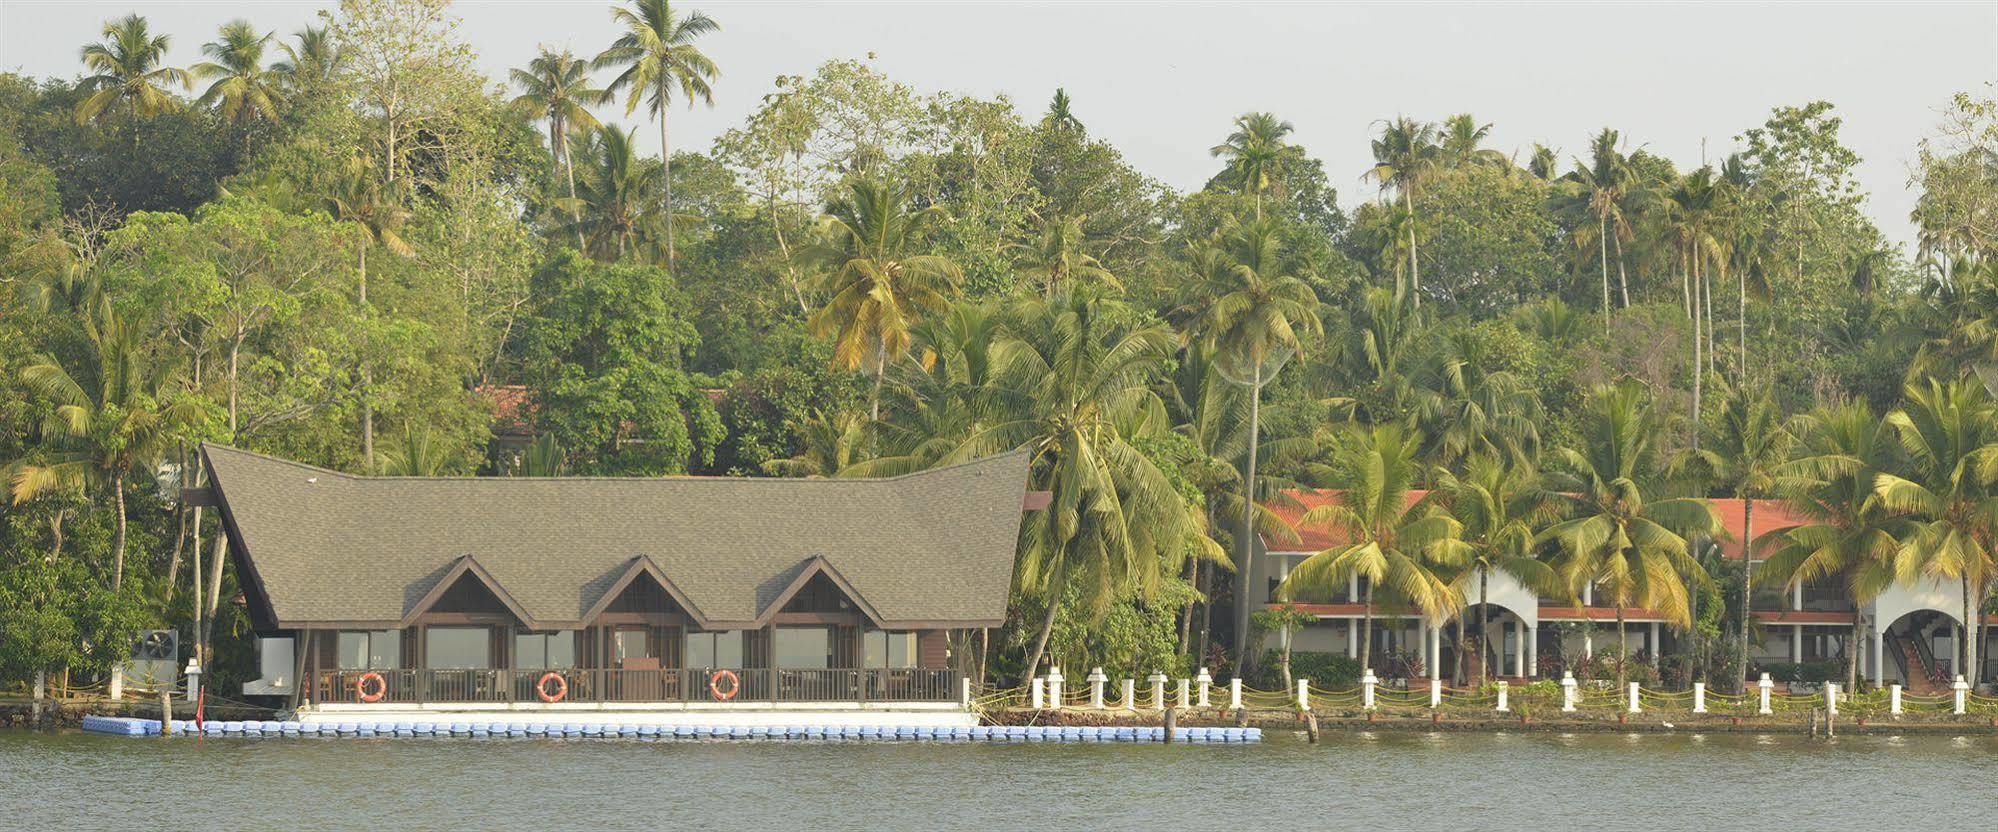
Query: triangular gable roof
[
  {"x": 465, "y": 565},
  {"x": 818, "y": 565},
  {"x": 643, "y": 565}
]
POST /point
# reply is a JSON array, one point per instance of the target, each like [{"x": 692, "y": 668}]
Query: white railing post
[
  {"x": 1096, "y": 680},
  {"x": 1054, "y": 688},
  {"x": 1504, "y": 689},
  {"x": 1367, "y": 684},
  {"x": 1304, "y": 694},
  {"x": 1831, "y": 698},
  {"x": 1894, "y": 699},
  {"x": 1234, "y": 694},
  {"x": 1764, "y": 686},
  {"x": 964, "y": 691},
  {"x": 1205, "y": 680},
  {"x": 1038, "y": 696},
  {"x": 1699, "y": 697},
  {"x": 1185, "y": 694},
  {"x": 1158, "y": 690},
  {"x": 1633, "y": 698},
  {"x": 1436, "y": 693},
  {"x": 1130, "y": 694},
  {"x": 1962, "y": 688},
  {"x": 1568, "y": 691},
  {"x": 117, "y": 682}
]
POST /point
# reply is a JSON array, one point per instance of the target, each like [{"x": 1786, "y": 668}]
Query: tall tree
[
  {"x": 313, "y": 61},
  {"x": 660, "y": 59},
  {"x": 1606, "y": 187},
  {"x": 1751, "y": 449},
  {"x": 1502, "y": 508},
  {"x": 243, "y": 89},
  {"x": 1405, "y": 155},
  {"x": 128, "y": 72},
  {"x": 1461, "y": 144},
  {"x": 1057, "y": 257},
  {"x": 377, "y": 216},
  {"x": 556, "y": 87},
  {"x": 877, "y": 283},
  {"x": 1255, "y": 154}
]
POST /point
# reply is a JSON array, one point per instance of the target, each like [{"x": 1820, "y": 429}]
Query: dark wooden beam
[{"x": 203, "y": 497}]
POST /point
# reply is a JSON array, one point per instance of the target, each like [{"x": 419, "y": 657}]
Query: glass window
[
  {"x": 804, "y": 647},
  {"x": 367, "y": 649},
  {"x": 633, "y": 644},
  {"x": 719, "y": 649},
  {"x": 887, "y": 649},
  {"x": 457, "y": 648},
  {"x": 551, "y": 650}
]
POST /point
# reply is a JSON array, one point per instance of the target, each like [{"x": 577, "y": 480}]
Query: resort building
[
  {"x": 1908, "y": 633},
  {"x": 669, "y": 599}
]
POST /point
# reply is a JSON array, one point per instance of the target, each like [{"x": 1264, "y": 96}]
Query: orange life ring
[
  {"x": 361, "y": 687},
  {"x": 561, "y": 687},
  {"x": 715, "y": 688}
]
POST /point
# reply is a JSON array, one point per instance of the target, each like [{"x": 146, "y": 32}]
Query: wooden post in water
[
  {"x": 166, "y": 713},
  {"x": 1311, "y": 727},
  {"x": 1171, "y": 724}
]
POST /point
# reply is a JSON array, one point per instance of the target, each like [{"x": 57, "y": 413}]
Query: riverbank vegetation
[{"x": 347, "y": 246}]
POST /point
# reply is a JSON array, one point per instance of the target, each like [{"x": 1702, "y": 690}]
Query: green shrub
[
  {"x": 1802, "y": 672},
  {"x": 1325, "y": 670}
]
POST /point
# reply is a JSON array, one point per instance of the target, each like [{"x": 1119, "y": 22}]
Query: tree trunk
[
  {"x": 1206, "y": 613},
  {"x": 784, "y": 247},
  {"x": 1414, "y": 270},
  {"x": 118, "y": 533},
  {"x": 880, "y": 373},
  {"x": 666, "y": 172},
  {"x": 1602, "y": 248},
  {"x": 1741, "y": 328},
  {"x": 1698, "y": 367},
  {"x": 1485, "y": 626},
  {"x": 575, "y": 209},
  {"x": 367, "y": 374},
  {"x": 1247, "y": 543},
  {"x": 1191, "y": 575},
  {"x": 1966, "y": 650},
  {"x": 1367, "y": 632},
  {"x": 1047, "y": 627},
  {"x": 1622, "y": 650},
  {"x": 1747, "y": 585},
  {"x": 1622, "y": 273},
  {"x": 56, "y": 535},
  {"x": 179, "y": 544},
  {"x": 1284, "y": 663},
  {"x": 1852, "y": 655}
]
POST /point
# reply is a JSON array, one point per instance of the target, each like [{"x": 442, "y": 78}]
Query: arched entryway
[
  {"x": 1493, "y": 638},
  {"x": 1919, "y": 650}
]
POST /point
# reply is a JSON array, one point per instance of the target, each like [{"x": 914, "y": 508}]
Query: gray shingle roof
[{"x": 934, "y": 548}]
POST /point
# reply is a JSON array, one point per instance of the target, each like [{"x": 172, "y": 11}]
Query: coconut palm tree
[
  {"x": 419, "y": 454},
  {"x": 1616, "y": 539},
  {"x": 1502, "y": 508},
  {"x": 615, "y": 215},
  {"x": 1544, "y": 164},
  {"x": 314, "y": 61},
  {"x": 831, "y": 443},
  {"x": 1401, "y": 546},
  {"x": 1751, "y": 449},
  {"x": 1606, "y": 189},
  {"x": 660, "y": 59},
  {"x": 1071, "y": 382},
  {"x": 127, "y": 72},
  {"x": 1252, "y": 311},
  {"x": 1847, "y": 535},
  {"x": 556, "y": 87},
  {"x": 1405, "y": 156},
  {"x": 1255, "y": 153},
  {"x": 1056, "y": 257},
  {"x": 1460, "y": 144},
  {"x": 1693, "y": 222},
  {"x": 1948, "y": 434},
  {"x": 243, "y": 89},
  {"x": 106, "y": 420},
  {"x": 377, "y": 216},
  {"x": 877, "y": 283}
]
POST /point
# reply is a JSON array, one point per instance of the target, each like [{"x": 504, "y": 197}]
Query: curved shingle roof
[{"x": 931, "y": 549}]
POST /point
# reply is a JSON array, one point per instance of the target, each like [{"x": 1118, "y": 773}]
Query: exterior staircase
[{"x": 1916, "y": 666}]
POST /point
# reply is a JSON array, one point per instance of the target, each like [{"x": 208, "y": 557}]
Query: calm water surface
[{"x": 1389, "y": 780}]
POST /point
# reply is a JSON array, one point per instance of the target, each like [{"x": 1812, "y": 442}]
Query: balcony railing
[{"x": 596, "y": 685}]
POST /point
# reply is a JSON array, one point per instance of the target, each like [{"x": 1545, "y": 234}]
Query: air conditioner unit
[{"x": 155, "y": 660}]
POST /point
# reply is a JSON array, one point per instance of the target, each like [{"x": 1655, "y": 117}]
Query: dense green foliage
[{"x": 347, "y": 246}]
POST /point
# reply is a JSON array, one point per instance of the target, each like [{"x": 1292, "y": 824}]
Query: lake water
[{"x": 1365, "y": 781}]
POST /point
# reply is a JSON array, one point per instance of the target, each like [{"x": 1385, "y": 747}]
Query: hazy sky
[{"x": 1162, "y": 80}]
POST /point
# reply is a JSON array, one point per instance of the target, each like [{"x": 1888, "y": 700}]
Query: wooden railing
[{"x": 760, "y": 684}]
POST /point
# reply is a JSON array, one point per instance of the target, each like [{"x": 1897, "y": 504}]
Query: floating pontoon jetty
[{"x": 131, "y": 727}]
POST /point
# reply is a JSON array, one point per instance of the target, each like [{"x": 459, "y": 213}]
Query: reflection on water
[{"x": 1362, "y": 780}]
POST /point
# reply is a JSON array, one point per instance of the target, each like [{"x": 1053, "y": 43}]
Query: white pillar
[
  {"x": 1797, "y": 596},
  {"x": 1879, "y": 657},
  {"x": 1039, "y": 699},
  {"x": 1435, "y": 692},
  {"x": 1158, "y": 690},
  {"x": 1352, "y": 640},
  {"x": 1436, "y": 651},
  {"x": 1130, "y": 694},
  {"x": 1567, "y": 691},
  {"x": 1656, "y": 643},
  {"x": 116, "y": 683},
  {"x": 1532, "y": 652},
  {"x": 1588, "y": 640},
  {"x": 1205, "y": 680},
  {"x": 1699, "y": 697},
  {"x": 1185, "y": 694},
  {"x": 1634, "y": 708},
  {"x": 1503, "y": 685},
  {"x": 1961, "y": 687},
  {"x": 964, "y": 691},
  {"x": 1796, "y": 643},
  {"x": 1519, "y": 648},
  {"x": 1304, "y": 694},
  {"x": 1831, "y": 698},
  {"x": 1096, "y": 680},
  {"x": 193, "y": 673},
  {"x": 1054, "y": 688},
  {"x": 1234, "y": 694},
  {"x": 1894, "y": 699},
  {"x": 1764, "y": 687},
  {"x": 1367, "y": 683}
]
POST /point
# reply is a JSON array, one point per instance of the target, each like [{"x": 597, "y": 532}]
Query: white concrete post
[
  {"x": 964, "y": 691},
  {"x": 1185, "y": 694},
  {"x": 1568, "y": 691},
  {"x": 1765, "y": 685},
  {"x": 1699, "y": 697},
  {"x": 1234, "y": 694},
  {"x": 1962, "y": 688},
  {"x": 1504, "y": 688},
  {"x": 1894, "y": 699},
  {"x": 1436, "y": 693},
  {"x": 1130, "y": 694},
  {"x": 1158, "y": 690},
  {"x": 1367, "y": 684},
  {"x": 1054, "y": 688},
  {"x": 1205, "y": 680},
  {"x": 193, "y": 672},
  {"x": 1633, "y": 698},
  {"x": 1831, "y": 698},
  {"x": 1096, "y": 680},
  {"x": 1038, "y": 697},
  {"x": 1304, "y": 694},
  {"x": 117, "y": 681}
]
